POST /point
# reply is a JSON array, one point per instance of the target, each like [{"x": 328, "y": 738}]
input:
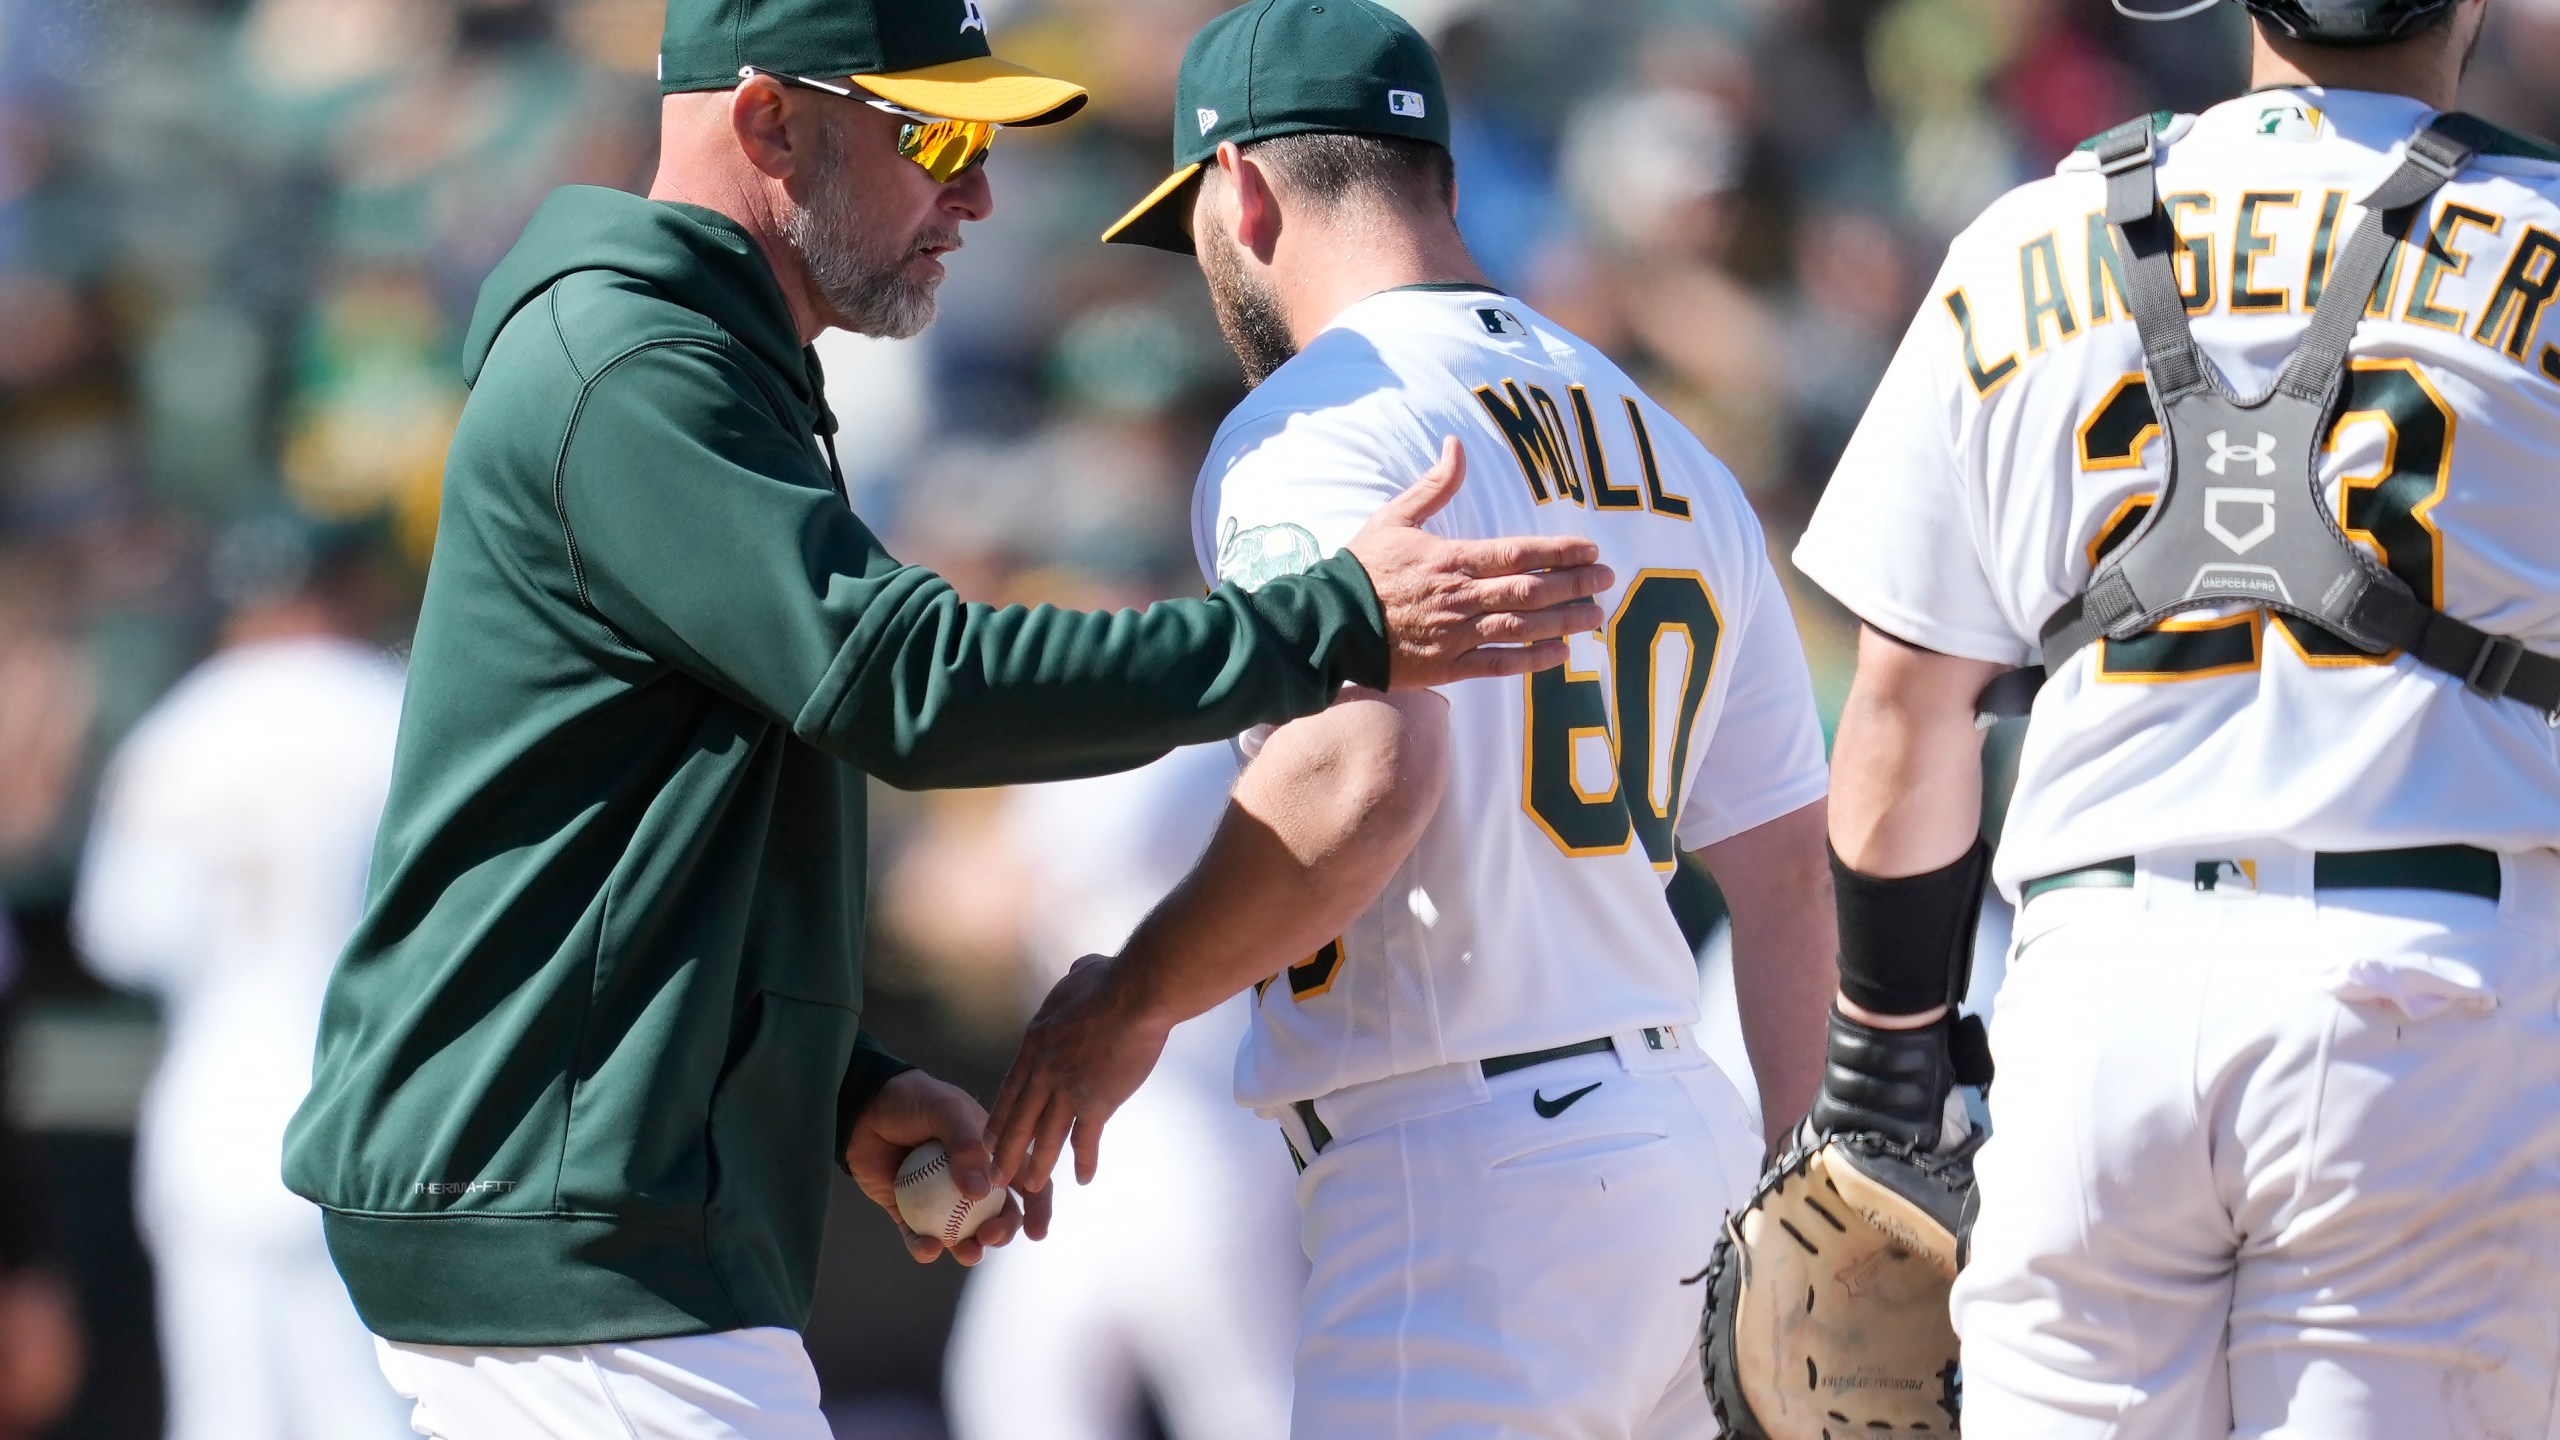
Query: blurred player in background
[
  {"x": 225, "y": 869},
  {"x": 1193, "y": 1304}
]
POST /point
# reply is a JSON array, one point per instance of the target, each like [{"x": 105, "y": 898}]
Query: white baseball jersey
[
  {"x": 1531, "y": 913},
  {"x": 2013, "y": 441}
]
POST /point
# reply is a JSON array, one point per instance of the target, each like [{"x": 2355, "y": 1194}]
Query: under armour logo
[
  {"x": 2217, "y": 496},
  {"x": 975, "y": 19},
  {"x": 2224, "y": 452},
  {"x": 1208, "y": 119}
]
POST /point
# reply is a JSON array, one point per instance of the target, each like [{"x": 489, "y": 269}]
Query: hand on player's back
[
  {"x": 911, "y": 1109},
  {"x": 1458, "y": 609}
]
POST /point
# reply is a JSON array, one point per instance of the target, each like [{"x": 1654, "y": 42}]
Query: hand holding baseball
[
  {"x": 930, "y": 1201},
  {"x": 915, "y": 1110}
]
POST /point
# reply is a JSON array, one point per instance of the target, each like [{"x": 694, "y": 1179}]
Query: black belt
[
  {"x": 1656, "y": 1036},
  {"x": 2457, "y": 869}
]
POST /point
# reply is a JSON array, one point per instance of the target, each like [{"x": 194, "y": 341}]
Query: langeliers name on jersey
[{"x": 2226, "y": 259}]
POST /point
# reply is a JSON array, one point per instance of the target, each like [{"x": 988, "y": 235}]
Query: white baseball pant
[
  {"x": 734, "y": 1385},
  {"x": 1503, "y": 1258},
  {"x": 2272, "y": 1164}
]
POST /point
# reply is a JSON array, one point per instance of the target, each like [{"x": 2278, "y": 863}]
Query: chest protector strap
[{"x": 2240, "y": 517}]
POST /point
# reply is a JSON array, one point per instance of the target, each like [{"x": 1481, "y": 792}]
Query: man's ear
[
  {"x": 759, "y": 115},
  {"x": 1257, "y": 212}
]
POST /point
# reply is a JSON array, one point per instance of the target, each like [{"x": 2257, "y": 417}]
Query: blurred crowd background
[{"x": 239, "y": 240}]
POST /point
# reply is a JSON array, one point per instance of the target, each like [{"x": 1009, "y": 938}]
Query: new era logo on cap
[
  {"x": 1407, "y": 103},
  {"x": 1208, "y": 119}
]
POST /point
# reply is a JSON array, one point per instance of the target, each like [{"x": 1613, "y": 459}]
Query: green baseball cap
[
  {"x": 1289, "y": 67},
  {"x": 930, "y": 56}
]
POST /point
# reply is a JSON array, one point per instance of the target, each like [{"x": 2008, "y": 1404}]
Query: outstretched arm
[
  {"x": 1318, "y": 824},
  {"x": 737, "y": 563}
]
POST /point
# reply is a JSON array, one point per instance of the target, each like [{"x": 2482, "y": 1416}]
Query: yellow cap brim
[
  {"x": 1157, "y": 220},
  {"x": 986, "y": 89}
]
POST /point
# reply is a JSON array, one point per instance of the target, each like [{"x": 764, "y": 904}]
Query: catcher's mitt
[{"x": 1827, "y": 1298}]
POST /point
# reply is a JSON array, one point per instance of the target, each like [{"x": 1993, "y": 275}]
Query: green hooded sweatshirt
[{"x": 588, "y": 1062}]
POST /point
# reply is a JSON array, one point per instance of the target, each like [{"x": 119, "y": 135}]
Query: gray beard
[
  {"x": 859, "y": 275},
  {"x": 1248, "y": 313}
]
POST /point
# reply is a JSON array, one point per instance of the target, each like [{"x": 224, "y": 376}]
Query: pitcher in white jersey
[
  {"x": 1475, "y": 1016},
  {"x": 2273, "y": 1152}
]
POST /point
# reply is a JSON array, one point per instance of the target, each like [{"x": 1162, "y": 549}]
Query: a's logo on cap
[
  {"x": 1208, "y": 119},
  {"x": 975, "y": 19},
  {"x": 1407, "y": 103}
]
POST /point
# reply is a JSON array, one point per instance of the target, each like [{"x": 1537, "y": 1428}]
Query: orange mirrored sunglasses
[{"x": 944, "y": 149}]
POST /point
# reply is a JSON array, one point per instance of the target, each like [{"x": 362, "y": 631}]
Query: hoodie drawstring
[
  {"x": 827, "y": 441},
  {"x": 826, "y": 427}
]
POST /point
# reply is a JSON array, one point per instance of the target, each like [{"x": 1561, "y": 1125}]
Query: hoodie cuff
[
  {"x": 1330, "y": 615},
  {"x": 872, "y": 1068}
]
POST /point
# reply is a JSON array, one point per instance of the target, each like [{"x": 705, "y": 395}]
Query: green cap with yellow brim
[
  {"x": 930, "y": 56},
  {"x": 1288, "y": 67}
]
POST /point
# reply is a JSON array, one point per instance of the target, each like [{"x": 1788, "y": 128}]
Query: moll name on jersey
[
  {"x": 1554, "y": 469},
  {"x": 2226, "y": 258}
]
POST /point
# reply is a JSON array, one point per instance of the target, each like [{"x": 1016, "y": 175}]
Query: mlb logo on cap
[{"x": 1407, "y": 103}]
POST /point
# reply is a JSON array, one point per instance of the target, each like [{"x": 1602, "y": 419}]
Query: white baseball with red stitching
[{"x": 929, "y": 1200}]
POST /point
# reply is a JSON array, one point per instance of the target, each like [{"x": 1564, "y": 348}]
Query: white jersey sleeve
[
  {"x": 1899, "y": 538},
  {"x": 1283, "y": 490}
]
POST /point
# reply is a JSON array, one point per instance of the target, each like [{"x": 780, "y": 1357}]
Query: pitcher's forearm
[
  {"x": 1317, "y": 826},
  {"x": 1777, "y": 884}
]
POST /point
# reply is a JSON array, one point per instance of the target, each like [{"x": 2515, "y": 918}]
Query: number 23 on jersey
[{"x": 2386, "y": 508}]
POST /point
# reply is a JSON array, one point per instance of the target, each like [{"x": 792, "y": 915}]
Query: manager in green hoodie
[{"x": 595, "y": 1046}]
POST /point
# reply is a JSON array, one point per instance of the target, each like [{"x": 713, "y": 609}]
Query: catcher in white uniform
[
  {"x": 1475, "y": 1014},
  {"x": 2272, "y": 1152}
]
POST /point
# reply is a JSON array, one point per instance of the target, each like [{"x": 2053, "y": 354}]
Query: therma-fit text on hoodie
[
  {"x": 2013, "y": 442},
  {"x": 1531, "y": 913}
]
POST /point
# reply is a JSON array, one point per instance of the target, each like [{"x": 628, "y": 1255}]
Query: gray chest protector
[{"x": 2240, "y": 517}]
